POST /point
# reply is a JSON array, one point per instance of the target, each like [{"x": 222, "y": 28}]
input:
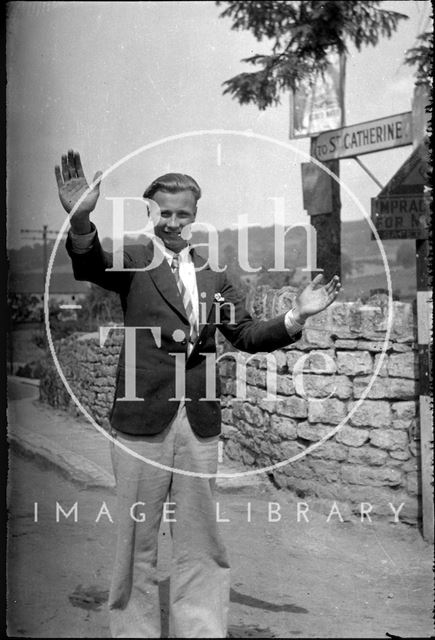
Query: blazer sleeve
[
  {"x": 92, "y": 266},
  {"x": 245, "y": 332}
]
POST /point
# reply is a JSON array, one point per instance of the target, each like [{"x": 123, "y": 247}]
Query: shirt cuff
[
  {"x": 82, "y": 243},
  {"x": 291, "y": 325}
]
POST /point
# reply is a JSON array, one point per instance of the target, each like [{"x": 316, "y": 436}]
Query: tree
[
  {"x": 302, "y": 34},
  {"x": 101, "y": 307},
  {"x": 422, "y": 57}
]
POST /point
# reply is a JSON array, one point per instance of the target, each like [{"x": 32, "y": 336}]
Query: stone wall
[
  {"x": 373, "y": 457},
  {"x": 89, "y": 371}
]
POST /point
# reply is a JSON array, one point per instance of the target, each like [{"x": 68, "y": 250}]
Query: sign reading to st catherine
[{"x": 365, "y": 137}]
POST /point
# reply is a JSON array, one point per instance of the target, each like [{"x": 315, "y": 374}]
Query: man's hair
[{"x": 173, "y": 183}]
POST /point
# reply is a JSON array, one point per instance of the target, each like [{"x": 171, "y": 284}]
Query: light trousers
[{"x": 200, "y": 573}]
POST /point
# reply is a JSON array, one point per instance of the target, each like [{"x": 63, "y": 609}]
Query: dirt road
[{"x": 313, "y": 579}]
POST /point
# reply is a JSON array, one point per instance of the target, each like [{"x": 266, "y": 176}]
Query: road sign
[
  {"x": 401, "y": 209},
  {"x": 366, "y": 137},
  {"x": 411, "y": 177},
  {"x": 400, "y": 216}
]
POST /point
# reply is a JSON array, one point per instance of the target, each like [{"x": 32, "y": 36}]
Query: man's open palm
[
  {"x": 72, "y": 184},
  {"x": 317, "y": 296}
]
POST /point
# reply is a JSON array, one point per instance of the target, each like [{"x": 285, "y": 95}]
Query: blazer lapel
[{"x": 205, "y": 282}]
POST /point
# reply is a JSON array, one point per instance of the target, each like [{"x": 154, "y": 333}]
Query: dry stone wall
[
  {"x": 344, "y": 399},
  {"x": 349, "y": 384},
  {"x": 89, "y": 371}
]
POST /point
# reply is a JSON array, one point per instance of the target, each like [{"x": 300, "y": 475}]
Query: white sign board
[
  {"x": 318, "y": 106},
  {"x": 366, "y": 137}
]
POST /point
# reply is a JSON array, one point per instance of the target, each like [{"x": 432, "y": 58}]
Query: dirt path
[
  {"x": 313, "y": 579},
  {"x": 328, "y": 579}
]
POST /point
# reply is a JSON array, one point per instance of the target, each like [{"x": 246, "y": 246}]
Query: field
[{"x": 403, "y": 282}]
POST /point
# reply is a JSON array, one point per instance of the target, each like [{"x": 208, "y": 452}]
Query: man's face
[{"x": 176, "y": 211}]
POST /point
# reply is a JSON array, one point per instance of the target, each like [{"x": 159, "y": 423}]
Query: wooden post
[
  {"x": 328, "y": 228},
  {"x": 424, "y": 332},
  {"x": 327, "y": 223}
]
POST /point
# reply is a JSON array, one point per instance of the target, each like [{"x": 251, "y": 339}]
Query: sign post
[
  {"x": 325, "y": 218},
  {"x": 424, "y": 331},
  {"x": 315, "y": 107},
  {"x": 365, "y": 137},
  {"x": 401, "y": 210},
  {"x": 349, "y": 142}
]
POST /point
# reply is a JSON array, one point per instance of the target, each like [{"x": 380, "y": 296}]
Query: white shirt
[
  {"x": 187, "y": 275},
  {"x": 82, "y": 243}
]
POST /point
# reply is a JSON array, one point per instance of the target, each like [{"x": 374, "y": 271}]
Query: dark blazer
[{"x": 151, "y": 299}]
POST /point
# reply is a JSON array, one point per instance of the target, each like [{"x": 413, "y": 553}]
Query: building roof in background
[{"x": 22, "y": 282}]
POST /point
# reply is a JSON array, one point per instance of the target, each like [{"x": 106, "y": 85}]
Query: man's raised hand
[
  {"x": 72, "y": 184},
  {"x": 316, "y": 297}
]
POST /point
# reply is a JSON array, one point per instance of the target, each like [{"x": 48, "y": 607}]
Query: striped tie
[{"x": 187, "y": 301}]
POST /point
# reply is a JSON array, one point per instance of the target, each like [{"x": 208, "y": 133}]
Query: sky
[{"x": 110, "y": 78}]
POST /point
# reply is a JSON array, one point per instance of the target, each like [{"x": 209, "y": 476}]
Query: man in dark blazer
[{"x": 165, "y": 427}]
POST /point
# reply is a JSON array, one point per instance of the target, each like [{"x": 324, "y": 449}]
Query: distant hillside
[
  {"x": 30, "y": 257},
  {"x": 32, "y": 282},
  {"x": 356, "y": 243}
]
